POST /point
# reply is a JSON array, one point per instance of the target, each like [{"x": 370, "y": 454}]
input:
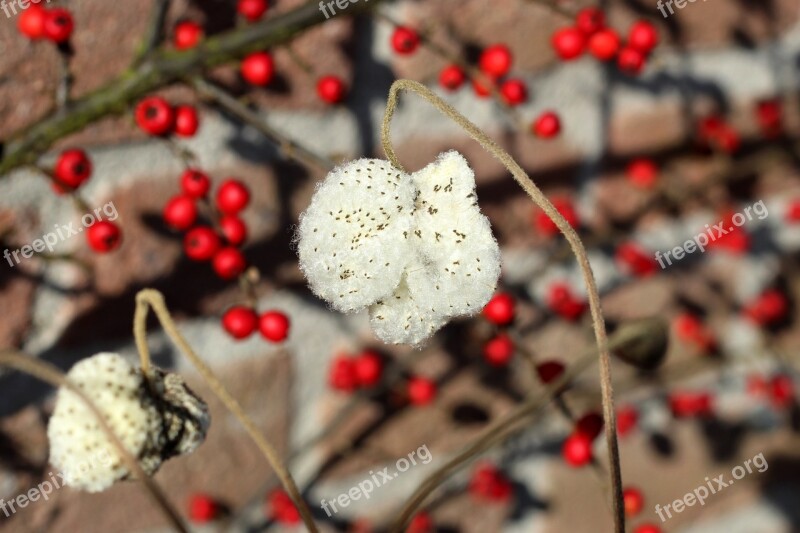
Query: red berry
[
  {"x": 203, "y": 508},
  {"x": 642, "y": 173},
  {"x": 252, "y": 10},
  {"x": 258, "y": 68},
  {"x": 331, "y": 89},
  {"x": 500, "y": 309},
  {"x": 281, "y": 508},
  {"x": 104, "y": 236},
  {"x": 769, "y": 116},
  {"x": 368, "y": 368},
  {"x": 647, "y": 528},
  {"x": 240, "y": 322},
  {"x": 547, "y": 227},
  {"x": 568, "y": 43},
  {"x": 781, "y": 390},
  {"x": 72, "y": 168},
  {"x": 514, "y": 92},
  {"x": 228, "y": 263},
  {"x": 769, "y": 308},
  {"x": 201, "y": 243},
  {"x": 452, "y": 77},
  {"x": 547, "y": 125},
  {"x": 604, "y": 44},
  {"x": 577, "y": 450},
  {"x": 31, "y": 21},
  {"x": 421, "y": 391},
  {"x": 643, "y": 37},
  {"x": 233, "y": 229},
  {"x": 792, "y": 214},
  {"x": 561, "y": 301},
  {"x": 185, "y": 121},
  {"x": 499, "y": 350},
  {"x": 549, "y": 371},
  {"x": 232, "y": 196},
  {"x": 590, "y": 20},
  {"x": 482, "y": 88},
  {"x": 405, "y": 40},
  {"x": 58, "y": 25},
  {"x": 421, "y": 523},
  {"x": 688, "y": 403},
  {"x": 691, "y": 329},
  {"x": 195, "y": 183},
  {"x": 180, "y": 212},
  {"x": 489, "y": 484},
  {"x": 630, "y": 61},
  {"x": 495, "y": 61},
  {"x": 154, "y": 115},
  {"x": 635, "y": 261},
  {"x": 274, "y": 326},
  {"x": 627, "y": 418},
  {"x": 633, "y": 501},
  {"x": 590, "y": 424},
  {"x": 343, "y": 375},
  {"x": 187, "y": 35}
]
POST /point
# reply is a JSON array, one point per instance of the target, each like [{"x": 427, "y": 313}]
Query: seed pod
[{"x": 642, "y": 343}]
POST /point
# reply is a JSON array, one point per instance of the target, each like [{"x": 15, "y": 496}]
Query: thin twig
[
  {"x": 155, "y": 31},
  {"x": 577, "y": 246}
]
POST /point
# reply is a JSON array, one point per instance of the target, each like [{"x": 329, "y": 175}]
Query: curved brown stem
[{"x": 578, "y": 249}]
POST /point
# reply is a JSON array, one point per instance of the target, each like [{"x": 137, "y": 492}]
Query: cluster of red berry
[
  {"x": 39, "y": 22},
  {"x": 348, "y": 373},
  {"x": 157, "y": 117}
]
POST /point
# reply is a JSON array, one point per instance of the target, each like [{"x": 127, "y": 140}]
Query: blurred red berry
[
  {"x": 647, "y": 528},
  {"x": 343, "y": 375},
  {"x": 568, "y": 43},
  {"x": 590, "y": 20},
  {"x": 258, "y": 68},
  {"x": 604, "y": 44},
  {"x": 240, "y": 322},
  {"x": 627, "y": 418},
  {"x": 549, "y": 371},
  {"x": 252, "y": 10},
  {"x": 154, "y": 115},
  {"x": 187, "y": 34},
  {"x": 562, "y": 302},
  {"x": 104, "y": 236},
  {"x": 203, "y": 508},
  {"x": 331, "y": 89},
  {"x": 577, "y": 450},
  {"x": 233, "y": 229},
  {"x": 180, "y": 212},
  {"x": 232, "y": 196},
  {"x": 643, "y": 36},
  {"x": 781, "y": 390},
  {"x": 483, "y": 87},
  {"x": 201, "y": 243},
  {"x": 421, "y": 523},
  {"x": 274, "y": 326},
  {"x": 792, "y": 212},
  {"x": 635, "y": 261},
  {"x": 404, "y": 40},
  {"x": 547, "y": 125},
  {"x": 195, "y": 183},
  {"x": 514, "y": 91},
  {"x": 488, "y": 483},
  {"x": 769, "y": 116},
  {"x": 642, "y": 173},
  {"x": 58, "y": 25},
  {"x": 500, "y": 309},
  {"x": 633, "y": 500},
  {"x": 368, "y": 368},
  {"x": 228, "y": 263},
  {"x": 547, "y": 227},
  {"x": 421, "y": 391},
  {"x": 688, "y": 403},
  {"x": 719, "y": 135},
  {"x": 186, "y": 121},
  {"x": 281, "y": 508},
  {"x": 590, "y": 424},
  {"x": 73, "y": 167},
  {"x": 452, "y": 77},
  {"x": 630, "y": 61},
  {"x": 499, "y": 350},
  {"x": 689, "y": 328},
  {"x": 495, "y": 61},
  {"x": 768, "y": 308},
  {"x": 31, "y": 21}
]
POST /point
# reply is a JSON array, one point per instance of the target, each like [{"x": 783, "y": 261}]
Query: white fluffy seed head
[
  {"x": 350, "y": 239},
  {"x": 154, "y": 421},
  {"x": 434, "y": 259}
]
